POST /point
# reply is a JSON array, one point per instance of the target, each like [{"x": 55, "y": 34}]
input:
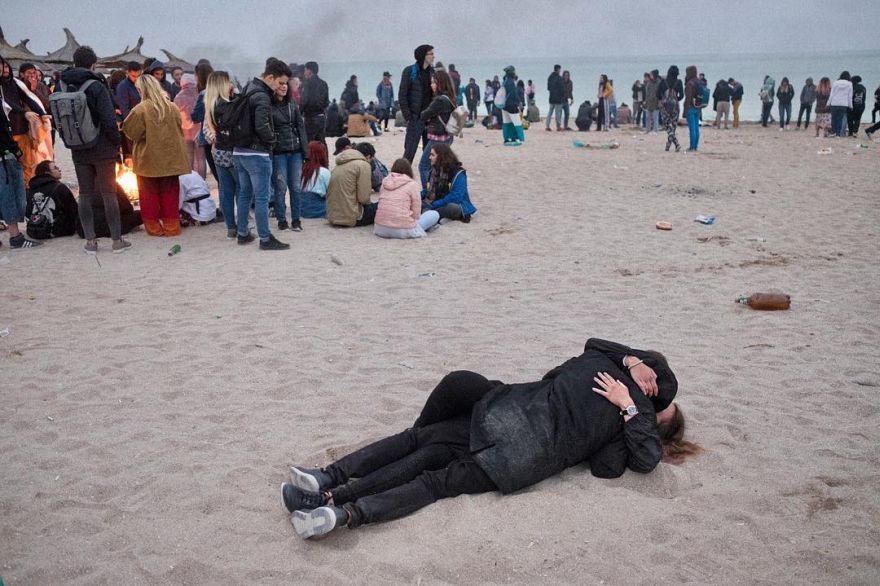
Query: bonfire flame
[{"x": 127, "y": 180}]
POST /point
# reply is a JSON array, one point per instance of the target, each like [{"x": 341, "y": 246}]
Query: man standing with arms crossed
[{"x": 414, "y": 96}]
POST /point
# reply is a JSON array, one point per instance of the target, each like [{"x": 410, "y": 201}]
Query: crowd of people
[{"x": 266, "y": 143}]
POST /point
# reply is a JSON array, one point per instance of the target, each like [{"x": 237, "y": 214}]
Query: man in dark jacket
[
  {"x": 557, "y": 96},
  {"x": 50, "y": 200},
  {"x": 96, "y": 166},
  {"x": 157, "y": 70},
  {"x": 859, "y": 100},
  {"x": 472, "y": 97},
  {"x": 736, "y": 96},
  {"x": 475, "y": 435},
  {"x": 414, "y": 96},
  {"x": 314, "y": 100},
  {"x": 253, "y": 154},
  {"x": 127, "y": 95}
]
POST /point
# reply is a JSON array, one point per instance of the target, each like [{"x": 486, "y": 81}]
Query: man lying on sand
[{"x": 611, "y": 407}]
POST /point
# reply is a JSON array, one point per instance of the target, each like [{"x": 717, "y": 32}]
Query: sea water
[{"x": 585, "y": 71}]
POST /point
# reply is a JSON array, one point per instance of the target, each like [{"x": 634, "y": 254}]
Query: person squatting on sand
[{"x": 610, "y": 407}]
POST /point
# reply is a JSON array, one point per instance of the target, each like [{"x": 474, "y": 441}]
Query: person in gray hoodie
[{"x": 808, "y": 96}]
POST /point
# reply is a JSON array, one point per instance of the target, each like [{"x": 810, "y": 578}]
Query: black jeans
[
  {"x": 766, "y": 111},
  {"x": 369, "y": 217},
  {"x": 400, "y": 474},
  {"x": 805, "y": 108},
  {"x": 98, "y": 179},
  {"x": 415, "y": 132},
  {"x": 315, "y": 127},
  {"x": 854, "y": 119}
]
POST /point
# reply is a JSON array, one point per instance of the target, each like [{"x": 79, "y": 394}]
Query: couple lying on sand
[{"x": 610, "y": 407}]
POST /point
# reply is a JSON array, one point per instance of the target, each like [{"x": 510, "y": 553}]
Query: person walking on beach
[
  {"x": 876, "y": 105},
  {"x": 767, "y": 94},
  {"x": 556, "y": 89},
  {"x": 652, "y": 102},
  {"x": 721, "y": 95},
  {"x": 841, "y": 101},
  {"x": 736, "y": 96},
  {"x": 638, "y": 98},
  {"x": 808, "y": 96},
  {"x": 489, "y": 97},
  {"x": 385, "y": 99},
  {"x": 693, "y": 91},
  {"x": 511, "y": 127},
  {"x": 785, "y": 95},
  {"x": 472, "y": 97},
  {"x": 823, "y": 109},
  {"x": 414, "y": 95},
  {"x": 672, "y": 91},
  {"x": 315, "y": 98},
  {"x": 568, "y": 99},
  {"x": 860, "y": 94}
]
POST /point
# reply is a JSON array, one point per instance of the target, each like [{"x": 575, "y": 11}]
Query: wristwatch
[{"x": 631, "y": 411}]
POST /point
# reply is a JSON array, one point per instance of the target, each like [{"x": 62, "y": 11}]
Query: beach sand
[{"x": 150, "y": 406}]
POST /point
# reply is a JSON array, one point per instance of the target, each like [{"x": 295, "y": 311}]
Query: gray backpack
[{"x": 74, "y": 121}]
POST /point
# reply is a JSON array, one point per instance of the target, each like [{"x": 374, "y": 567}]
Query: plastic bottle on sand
[{"x": 766, "y": 301}]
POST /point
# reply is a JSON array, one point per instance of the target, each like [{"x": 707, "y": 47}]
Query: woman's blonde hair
[
  {"x": 216, "y": 88},
  {"x": 153, "y": 94}
]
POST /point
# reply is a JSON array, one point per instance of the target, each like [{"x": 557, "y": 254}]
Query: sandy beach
[{"x": 150, "y": 405}]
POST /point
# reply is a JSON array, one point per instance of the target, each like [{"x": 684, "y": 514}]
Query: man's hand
[
  {"x": 645, "y": 377},
  {"x": 613, "y": 390}
]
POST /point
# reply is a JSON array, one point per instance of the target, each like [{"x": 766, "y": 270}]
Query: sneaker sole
[
  {"x": 121, "y": 250},
  {"x": 283, "y": 502},
  {"x": 313, "y": 523},
  {"x": 303, "y": 481},
  {"x": 91, "y": 252}
]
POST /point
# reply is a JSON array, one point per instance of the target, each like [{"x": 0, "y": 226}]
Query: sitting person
[
  {"x": 348, "y": 192},
  {"x": 196, "y": 205},
  {"x": 447, "y": 190},
  {"x": 359, "y": 122},
  {"x": 129, "y": 217},
  {"x": 333, "y": 118},
  {"x": 585, "y": 115},
  {"x": 51, "y": 207},
  {"x": 379, "y": 170},
  {"x": 315, "y": 178},
  {"x": 624, "y": 114},
  {"x": 400, "y": 206},
  {"x": 610, "y": 407}
]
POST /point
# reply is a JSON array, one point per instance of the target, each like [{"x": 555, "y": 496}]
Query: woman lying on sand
[{"x": 611, "y": 407}]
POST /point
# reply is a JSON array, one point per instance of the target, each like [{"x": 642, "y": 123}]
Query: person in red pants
[{"x": 158, "y": 157}]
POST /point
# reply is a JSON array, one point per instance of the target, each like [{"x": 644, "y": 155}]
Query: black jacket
[
  {"x": 350, "y": 95},
  {"x": 314, "y": 96},
  {"x": 722, "y": 93},
  {"x": 414, "y": 93},
  {"x": 7, "y": 143},
  {"x": 472, "y": 93},
  {"x": 103, "y": 113},
  {"x": 785, "y": 96},
  {"x": 436, "y": 115},
  {"x": 524, "y": 433},
  {"x": 62, "y": 209},
  {"x": 259, "y": 96},
  {"x": 556, "y": 88},
  {"x": 290, "y": 130}
]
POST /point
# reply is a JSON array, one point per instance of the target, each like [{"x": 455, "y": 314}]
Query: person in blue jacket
[{"x": 447, "y": 190}]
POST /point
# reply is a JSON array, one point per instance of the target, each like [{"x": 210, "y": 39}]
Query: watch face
[{"x": 631, "y": 410}]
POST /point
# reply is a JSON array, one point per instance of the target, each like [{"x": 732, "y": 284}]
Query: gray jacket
[{"x": 808, "y": 94}]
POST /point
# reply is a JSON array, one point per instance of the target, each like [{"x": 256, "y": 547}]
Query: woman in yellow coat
[{"x": 158, "y": 157}]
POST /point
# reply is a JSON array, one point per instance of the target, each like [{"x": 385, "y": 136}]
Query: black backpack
[
  {"x": 237, "y": 121},
  {"x": 223, "y": 137}
]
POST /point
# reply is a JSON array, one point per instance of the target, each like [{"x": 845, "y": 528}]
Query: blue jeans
[
  {"x": 784, "y": 114},
  {"x": 227, "y": 181},
  {"x": 838, "y": 120},
  {"x": 313, "y": 205},
  {"x": 287, "y": 169},
  {"x": 652, "y": 120},
  {"x": 555, "y": 108},
  {"x": 766, "y": 109},
  {"x": 693, "y": 118},
  {"x": 425, "y": 162},
  {"x": 254, "y": 176},
  {"x": 12, "y": 191},
  {"x": 565, "y": 114}
]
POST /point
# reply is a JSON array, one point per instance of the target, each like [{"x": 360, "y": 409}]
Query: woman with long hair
[
  {"x": 823, "y": 110},
  {"x": 785, "y": 94},
  {"x": 185, "y": 100},
  {"x": 435, "y": 117},
  {"x": 602, "y": 114},
  {"x": 287, "y": 156},
  {"x": 399, "y": 214},
  {"x": 447, "y": 188},
  {"x": 671, "y": 91},
  {"x": 159, "y": 157},
  {"x": 218, "y": 91},
  {"x": 315, "y": 178},
  {"x": 203, "y": 71}
]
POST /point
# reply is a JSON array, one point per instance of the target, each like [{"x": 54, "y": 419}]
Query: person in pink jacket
[{"x": 400, "y": 206}]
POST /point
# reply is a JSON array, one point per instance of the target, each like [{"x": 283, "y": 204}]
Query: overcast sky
[{"x": 376, "y": 30}]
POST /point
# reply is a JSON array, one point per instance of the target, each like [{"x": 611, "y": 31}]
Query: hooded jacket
[
  {"x": 157, "y": 147},
  {"x": 349, "y": 188},
  {"x": 556, "y": 88},
  {"x": 103, "y": 113},
  {"x": 414, "y": 93},
  {"x": 524, "y": 433},
  {"x": 692, "y": 88},
  {"x": 62, "y": 209},
  {"x": 785, "y": 94},
  {"x": 289, "y": 126},
  {"x": 670, "y": 82},
  {"x": 350, "y": 95},
  {"x": 166, "y": 85},
  {"x": 808, "y": 93},
  {"x": 186, "y": 102},
  {"x": 400, "y": 204}
]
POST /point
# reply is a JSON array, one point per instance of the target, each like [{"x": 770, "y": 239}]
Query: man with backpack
[
  {"x": 414, "y": 96},
  {"x": 86, "y": 118},
  {"x": 249, "y": 123},
  {"x": 314, "y": 100}
]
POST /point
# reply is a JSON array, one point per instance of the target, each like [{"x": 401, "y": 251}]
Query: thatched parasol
[
  {"x": 173, "y": 61},
  {"x": 118, "y": 61},
  {"x": 65, "y": 53},
  {"x": 18, "y": 53}
]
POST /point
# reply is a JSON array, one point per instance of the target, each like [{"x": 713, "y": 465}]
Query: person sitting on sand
[
  {"x": 315, "y": 178},
  {"x": 400, "y": 207},
  {"x": 475, "y": 435},
  {"x": 348, "y": 192},
  {"x": 51, "y": 208},
  {"x": 447, "y": 190}
]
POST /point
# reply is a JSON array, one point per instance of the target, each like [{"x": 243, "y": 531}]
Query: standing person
[
  {"x": 841, "y": 101},
  {"x": 455, "y": 76},
  {"x": 612, "y": 107},
  {"x": 785, "y": 95},
  {"x": 399, "y": 214},
  {"x": 253, "y": 162},
  {"x": 385, "y": 98},
  {"x": 350, "y": 96},
  {"x": 31, "y": 125},
  {"x": 489, "y": 97},
  {"x": 568, "y": 99},
  {"x": 435, "y": 117},
  {"x": 721, "y": 95},
  {"x": 203, "y": 71},
  {"x": 511, "y": 128},
  {"x": 693, "y": 91},
  {"x": 671, "y": 91},
  {"x": 767, "y": 94},
  {"x": 472, "y": 97},
  {"x": 736, "y": 96},
  {"x": 808, "y": 96},
  {"x": 159, "y": 157},
  {"x": 315, "y": 179},
  {"x": 218, "y": 93},
  {"x": 447, "y": 190},
  {"x": 315, "y": 101},
  {"x": 859, "y": 99},
  {"x": 823, "y": 109},
  {"x": 96, "y": 165},
  {"x": 652, "y": 102},
  {"x": 605, "y": 95},
  {"x": 556, "y": 88},
  {"x": 287, "y": 157},
  {"x": 176, "y": 74},
  {"x": 185, "y": 102},
  {"x": 876, "y": 105},
  {"x": 638, "y": 97},
  {"x": 127, "y": 96},
  {"x": 413, "y": 96}
]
